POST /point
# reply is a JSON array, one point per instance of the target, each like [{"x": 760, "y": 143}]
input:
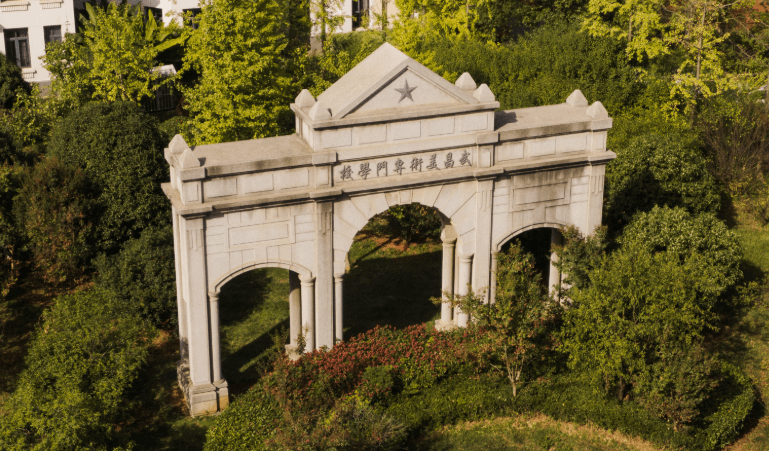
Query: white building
[{"x": 27, "y": 25}]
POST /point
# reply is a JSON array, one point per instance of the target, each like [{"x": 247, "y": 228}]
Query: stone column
[
  {"x": 198, "y": 385},
  {"x": 447, "y": 278},
  {"x": 338, "y": 310},
  {"x": 465, "y": 272},
  {"x": 294, "y": 307},
  {"x": 324, "y": 273},
  {"x": 554, "y": 279},
  {"x": 308, "y": 312},
  {"x": 482, "y": 257},
  {"x": 216, "y": 357},
  {"x": 493, "y": 289},
  {"x": 180, "y": 302}
]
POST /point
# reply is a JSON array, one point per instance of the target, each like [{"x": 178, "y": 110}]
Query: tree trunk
[{"x": 630, "y": 30}]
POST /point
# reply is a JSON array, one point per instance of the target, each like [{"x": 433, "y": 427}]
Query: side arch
[
  {"x": 513, "y": 233},
  {"x": 455, "y": 203},
  {"x": 221, "y": 281}
]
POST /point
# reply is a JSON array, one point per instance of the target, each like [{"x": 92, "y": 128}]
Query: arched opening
[
  {"x": 253, "y": 307},
  {"x": 539, "y": 242},
  {"x": 394, "y": 267}
]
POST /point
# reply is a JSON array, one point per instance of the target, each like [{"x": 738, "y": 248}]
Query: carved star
[{"x": 405, "y": 91}]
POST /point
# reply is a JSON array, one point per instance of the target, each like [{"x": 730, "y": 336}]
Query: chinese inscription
[{"x": 386, "y": 167}]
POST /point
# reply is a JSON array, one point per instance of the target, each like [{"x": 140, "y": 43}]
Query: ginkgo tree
[
  {"x": 113, "y": 56},
  {"x": 654, "y": 28}
]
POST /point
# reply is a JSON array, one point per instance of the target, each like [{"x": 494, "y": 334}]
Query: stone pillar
[
  {"x": 482, "y": 258},
  {"x": 554, "y": 279},
  {"x": 448, "y": 235},
  {"x": 294, "y": 307},
  {"x": 338, "y": 309},
  {"x": 308, "y": 312},
  {"x": 180, "y": 302},
  {"x": 595, "y": 201},
  {"x": 222, "y": 391},
  {"x": 197, "y": 385},
  {"x": 216, "y": 357},
  {"x": 465, "y": 272},
  {"x": 493, "y": 289},
  {"x": 324, "y": 284}
]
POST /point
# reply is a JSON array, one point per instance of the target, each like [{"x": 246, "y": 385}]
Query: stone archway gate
[{"x": 390, "y": 132}]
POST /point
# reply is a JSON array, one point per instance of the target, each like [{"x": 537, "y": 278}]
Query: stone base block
[
  {"x": 204, "y": 399},
  {"x": 445, "y": 325}
]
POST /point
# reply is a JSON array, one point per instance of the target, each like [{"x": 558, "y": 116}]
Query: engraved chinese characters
[{"x": 403, "y": 165}]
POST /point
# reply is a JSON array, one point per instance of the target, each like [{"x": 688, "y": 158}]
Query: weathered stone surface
[{"x": 396, "y": 133}]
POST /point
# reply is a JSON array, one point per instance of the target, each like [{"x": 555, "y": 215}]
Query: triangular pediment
[{"x": 388, "y": 80}]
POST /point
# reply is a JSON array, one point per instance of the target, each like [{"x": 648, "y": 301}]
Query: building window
[
  {"x": 17, "y": 46},
  {"x": 52, "y": 33},
  {"x": 194, "y": 14},
  {"x": 359, "y": 12},
  {"x": 157, "y": 13}
]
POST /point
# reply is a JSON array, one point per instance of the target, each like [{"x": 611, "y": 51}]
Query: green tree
[
  {"x": 10, "y": 82},
  {"x": 119, "y": 147},
  {"x": 517, "y": 321},
  {"x": 75, "y": 391},
  {"x": 659, "y": 170},
  {"x": 636, "y": 302},
  {"x": 55, "y": 212},
  {"x": 245, "y": 85},
  {"x": 702, "y": 241},
  {"x": 11, "y": 235},
  {"x": 142, "y": 275},
  {"x": 695, "y": 29},
  {"x": 113, "y": 55}
]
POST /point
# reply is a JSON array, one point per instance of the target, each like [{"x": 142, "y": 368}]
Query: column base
[
  {"x": 292, "y": 352},
  {"x": 445, "y": 325},
  {"x": 203, "y": 399}
]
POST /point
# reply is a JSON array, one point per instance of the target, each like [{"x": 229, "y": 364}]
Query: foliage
[
  {"x": 142, "y": 276},
  {"x": 11, "y": 235},
  {"x": 542, "y": 67},
  {"x": 54, "y": 209},
  {"x": 702, "y": 242},
  {"x": 119, "y": 147},
  {"x": 30, "y": 120},
  {"x": 326, "y": 18},
  {"x": 503, "y": 21},
  {"x": 638, "y": 302},
  {"x": 246, "y": 83},
  {"x": 692, "y": 28},
  {"x": 735, "y": 130},
  {"x": 413, "y": 222},
  {"x": 246, "y": 423},
  {"x": 10, "y": 82},
  {"x": 578, "y": 256},
  {"x": 76, "y": 388},
  {"x": 113, "y": 56},
  {"x": 516, "y": 324},
  {"x": 451, "y": 19},
  {"x": 658, "y": 170}
]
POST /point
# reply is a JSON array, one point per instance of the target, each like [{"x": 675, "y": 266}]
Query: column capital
[
  {"x": 450, "y": 242},
  {"x": 466, "y": 258},
  {"x": 338, "y": 277},
  {"x": 213, "y": 296},
  {"x": 306, "y": 280}
]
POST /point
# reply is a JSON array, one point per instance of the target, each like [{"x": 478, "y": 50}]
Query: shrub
[
  {"x": 76, "y": 388},
  {"x": 637, "y": 303},
  {"x": 516, "y": 325},
  {"x": 142, "y": 275},
  {"x": 702, "y": 240},
  {"x": 246, "y": 424},
  {"x": 11, "y": 235},
  {"x": 665, "y": 170},
  {"x": 578, "y": 255},
  {"x": 120, "y": 149},
  {"x": 55, "y": 211}
]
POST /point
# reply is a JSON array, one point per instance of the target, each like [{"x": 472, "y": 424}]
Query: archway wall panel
[
  {"x": 570, "y": 196},
  {"x": 283, "y": 234}
]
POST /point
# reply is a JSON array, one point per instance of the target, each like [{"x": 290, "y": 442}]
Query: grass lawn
[{"x": 527, "y": 433}]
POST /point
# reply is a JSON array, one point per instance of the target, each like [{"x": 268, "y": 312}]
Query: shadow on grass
[{"x": 391, "y": 288}]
